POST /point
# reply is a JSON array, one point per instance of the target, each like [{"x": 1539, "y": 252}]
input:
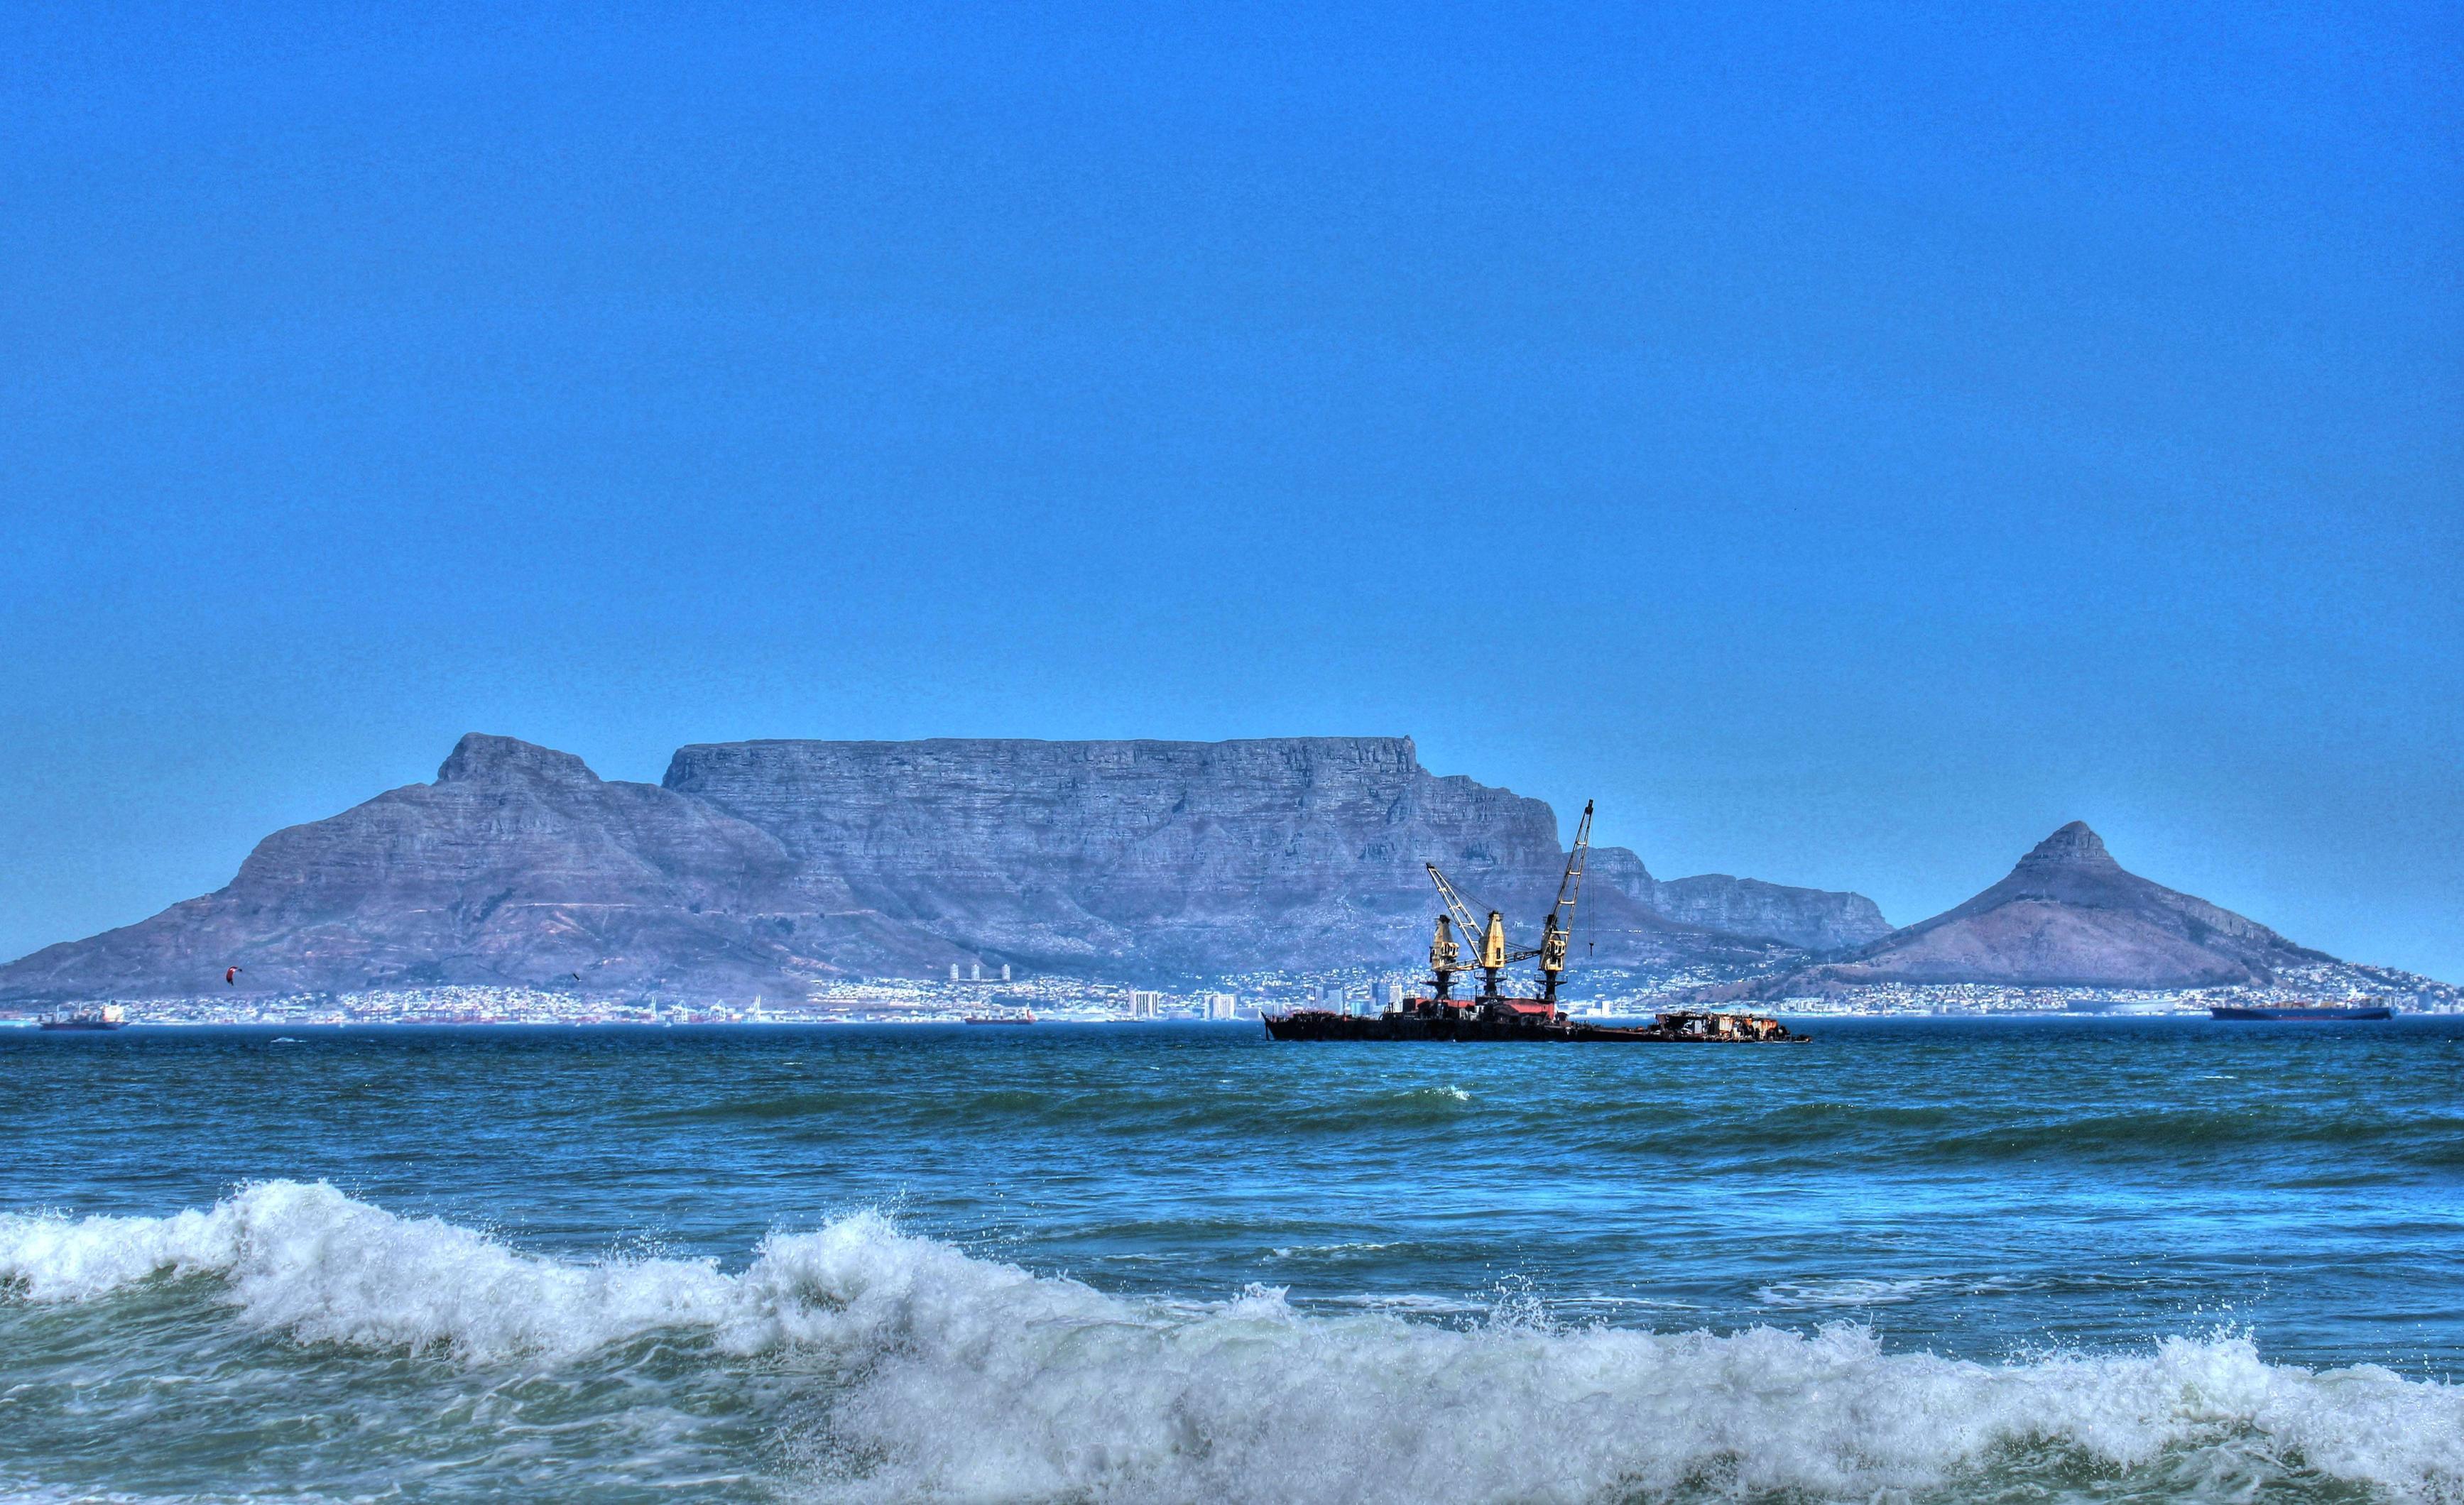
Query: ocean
[{"x": 2054, "y": 1259}]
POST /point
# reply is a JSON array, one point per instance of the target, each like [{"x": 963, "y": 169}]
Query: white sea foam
[
  {"x": 1852, "y": 1291},
  {"x": 1328, "y": 1250},
  {"x": 955, "y": 1377}
]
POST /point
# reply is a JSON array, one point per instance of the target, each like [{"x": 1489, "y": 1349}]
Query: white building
[
  {"x": 1222, "y": 1006},
  {"x": 1144, "y": 1005}
]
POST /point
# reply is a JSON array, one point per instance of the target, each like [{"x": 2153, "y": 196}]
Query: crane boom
[
  {"x": 1455, "y": 904},
  {"x": 1558, "y": 929},
  {"x": 1571, "y": 886},
  {"x": 1491, "y": 954}
]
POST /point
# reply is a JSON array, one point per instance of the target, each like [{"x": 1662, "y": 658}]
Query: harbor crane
[
  {"x": 1462, "y": 944},
  {"x": 1559, "y": 927},
  {"x": 1491, "y": 955},
  {"x": 1489, "y": 941}
]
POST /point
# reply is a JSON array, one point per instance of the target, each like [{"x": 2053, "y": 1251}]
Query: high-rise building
[
  {"x": 1005, "y": 972},
  {"x": 1222, "y": 1006},
  {"x": 1144, "y": 1005},
  {"x": 1389, "y": 995},
  {"x": 953, "y": 971},
  {"x": 975, "y": 971}
]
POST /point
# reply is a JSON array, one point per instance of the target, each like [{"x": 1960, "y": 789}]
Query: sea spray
[{"x": 945, "y": 1375}]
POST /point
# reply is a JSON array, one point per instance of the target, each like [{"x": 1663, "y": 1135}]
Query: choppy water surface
[{"x": 1947, "y": 1260}]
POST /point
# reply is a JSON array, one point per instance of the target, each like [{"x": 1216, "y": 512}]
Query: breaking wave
[{"x": 948, "y": 1376}]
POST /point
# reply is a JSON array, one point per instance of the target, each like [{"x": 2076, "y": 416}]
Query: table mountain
[
  {"x": 1208, "y": 856},
  {"x": 759, "y": 866},
  {"x": 2068, "y": 915}
]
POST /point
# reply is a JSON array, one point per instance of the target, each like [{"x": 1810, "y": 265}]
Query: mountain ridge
[{"x": 762, "y": 866}]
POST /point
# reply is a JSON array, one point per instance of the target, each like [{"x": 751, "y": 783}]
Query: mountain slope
[
  {"x": 1809, "y": 919},
  {"x": 2069, "y": 915},
  {"x": 517, "y": 865}
]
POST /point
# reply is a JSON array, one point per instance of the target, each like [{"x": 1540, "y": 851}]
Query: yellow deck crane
[
  {"x": 1492, "y": 956},
  {"x": 1446, "y": 957},
  {"x": 1489, "y": 954},
  {"x": 1559, "y": 928}
]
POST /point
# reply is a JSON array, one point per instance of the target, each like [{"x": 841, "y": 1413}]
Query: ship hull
[
  {"x": 83, "y": 1026},
  {"x": 1312, "y": 1025},
  {"x": 2225, "y": 1010}
]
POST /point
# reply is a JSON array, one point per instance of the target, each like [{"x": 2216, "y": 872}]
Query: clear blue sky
[{"x": 1847, "y": 442}]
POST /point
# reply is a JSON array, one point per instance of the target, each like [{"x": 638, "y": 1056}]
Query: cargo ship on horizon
[
  {"x": 1491, "y": 1014},
  {"x": 108, "y": 1016},
  {"x": 2298, "y": 1012}
]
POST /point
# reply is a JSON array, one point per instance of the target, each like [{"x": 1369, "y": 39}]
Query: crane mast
[
  {"x": 1446, "y": 957},
  {"x": 1559, "y": 928}
]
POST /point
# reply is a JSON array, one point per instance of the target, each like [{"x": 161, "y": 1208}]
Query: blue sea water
[{"x": 1923, "y": 1259}]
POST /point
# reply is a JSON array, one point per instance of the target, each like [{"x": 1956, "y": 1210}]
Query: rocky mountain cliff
[
  {"x": 1808, "y": 919},
  {"x": 1204, "y": 856},
  {"x": 758, "y": 867},
  {"x": 2068, "y": 915},
  {"x": 518, "y": 865}
]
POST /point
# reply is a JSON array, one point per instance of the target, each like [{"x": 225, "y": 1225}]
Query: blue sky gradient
[{"x": 1846, "y": 442}]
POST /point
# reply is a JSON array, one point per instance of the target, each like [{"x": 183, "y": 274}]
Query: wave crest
[{"x": 954, "y": 1376}]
